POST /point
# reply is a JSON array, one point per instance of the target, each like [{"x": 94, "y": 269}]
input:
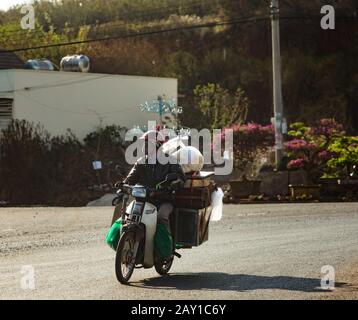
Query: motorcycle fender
[
  {"x": 130, "y": 207},
  {"x": 149, "y": 219}
]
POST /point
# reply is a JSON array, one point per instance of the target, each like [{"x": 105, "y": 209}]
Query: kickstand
[{"x": 177, "y": 254}]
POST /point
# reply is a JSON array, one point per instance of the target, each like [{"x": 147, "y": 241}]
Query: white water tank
[
  {"x": 75, "y": 63},
  {"x": 39, "y": 64}
]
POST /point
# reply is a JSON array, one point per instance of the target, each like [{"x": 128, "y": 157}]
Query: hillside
[{"x": 320, "y": 73}]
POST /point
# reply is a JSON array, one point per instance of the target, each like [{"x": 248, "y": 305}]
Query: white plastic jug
[{"x": 217, "y": 204}]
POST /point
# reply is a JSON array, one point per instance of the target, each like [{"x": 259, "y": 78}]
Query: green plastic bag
[
  {"x": 163, "y": 242},
  {"x": 114, "y": 234}
]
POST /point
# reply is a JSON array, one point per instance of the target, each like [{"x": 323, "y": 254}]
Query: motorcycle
[{"x": 139, "y": 224}]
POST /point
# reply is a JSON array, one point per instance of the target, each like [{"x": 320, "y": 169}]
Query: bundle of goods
[{"x": 197, "y": 191}]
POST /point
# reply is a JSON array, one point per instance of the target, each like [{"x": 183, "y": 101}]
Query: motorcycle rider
[{"x": 149, "y": 172}]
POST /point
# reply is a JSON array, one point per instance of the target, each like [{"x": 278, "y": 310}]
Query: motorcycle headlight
[{"x": 139, "y": 192}]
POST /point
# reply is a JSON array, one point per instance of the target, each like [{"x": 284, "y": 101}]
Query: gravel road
[{"x": 255, "y": 252}]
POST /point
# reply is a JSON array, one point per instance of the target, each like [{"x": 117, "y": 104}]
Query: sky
[{"x": 6, "y": 4}]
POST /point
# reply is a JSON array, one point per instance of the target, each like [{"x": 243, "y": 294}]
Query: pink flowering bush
[
  {"x": 307, "y": 147},
  {"x": 297, "y": 164},
  {"x": 250, "y": 140},
  {"x": 328, "y": 128},
  {"x": 299, "y": 144}
]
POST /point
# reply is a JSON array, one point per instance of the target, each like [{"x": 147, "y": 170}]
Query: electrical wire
[
  {"x": 147, "y": 33},
  {"x": 183, "y": 28},
  {"x": 62, "y": 83},
  {"x": 148, "y": 13}
]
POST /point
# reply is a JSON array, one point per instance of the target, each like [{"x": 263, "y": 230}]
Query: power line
[
  {"x": 192, "y": 27},
  {"x": 163, "y": 11},
  {"x": 147, "y": 33},
  {"x": 58, "y": 84},
  {"x": 319, "y": 17}
]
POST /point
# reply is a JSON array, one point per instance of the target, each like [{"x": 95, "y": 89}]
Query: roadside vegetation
[
  {"x": 225, "y": 81},
  {"x": 37, "y": 169}
]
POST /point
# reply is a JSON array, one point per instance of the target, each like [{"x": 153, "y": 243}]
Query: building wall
[
  {"x": 6, "y": 98},
  {"x": 7, "y": 83},
  {"x": 81, "y": 102}
]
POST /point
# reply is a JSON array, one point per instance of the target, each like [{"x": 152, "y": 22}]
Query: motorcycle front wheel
[
  {"x": 163, "y": 268},
  {"x": 125, "y": 257}
]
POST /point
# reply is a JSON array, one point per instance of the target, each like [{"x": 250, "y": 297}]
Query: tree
[
  {"x": 221, "y": 108},
  {"x": 183, "y": 66}
]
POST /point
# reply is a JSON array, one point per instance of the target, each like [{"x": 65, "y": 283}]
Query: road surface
[{"x": 255, "y": 252}]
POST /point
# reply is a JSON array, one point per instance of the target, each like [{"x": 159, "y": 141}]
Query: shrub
[
  {"x": 23, "y": 168},
  {"x": 36, "y": 169},
  {"x": 345, "y": 155},
  {"x": 308, "y": 147},
  {"x": 250, "y": 141}
]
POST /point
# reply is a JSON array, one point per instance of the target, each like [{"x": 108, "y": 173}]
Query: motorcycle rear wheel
[
  {"x": 125, "y": 259},
  {"x": 164, "y": 268}
]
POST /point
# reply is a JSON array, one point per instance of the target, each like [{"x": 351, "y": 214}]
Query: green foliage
[
  {"x": 12, "y": 36},
  {"x": 108, "y": 136},
  {"x": 220, "y": 107},
  {"x": 183, "y": 66},
  {"x": 345, "y": 150},
  {"x": 322, "y": 149},
  {"x": 298, "y": 130}
]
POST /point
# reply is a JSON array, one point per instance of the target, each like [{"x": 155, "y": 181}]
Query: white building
[{"x": 78, "y": 101}]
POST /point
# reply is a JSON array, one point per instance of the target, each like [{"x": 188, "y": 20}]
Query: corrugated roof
[{"x": 9, "y": 60}]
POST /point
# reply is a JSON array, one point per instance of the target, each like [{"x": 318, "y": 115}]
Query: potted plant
[
  {"x": 308, "y": 149},
  {"x": 250, "y": 142},
  {"x": 344, "y": 163},
  {"x": 345, "y": 159}
]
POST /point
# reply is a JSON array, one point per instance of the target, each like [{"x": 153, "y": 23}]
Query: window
[{"x": 6, "y": 106}]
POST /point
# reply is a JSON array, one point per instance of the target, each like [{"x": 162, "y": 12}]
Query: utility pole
[{"x": 277, "y": 81}]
